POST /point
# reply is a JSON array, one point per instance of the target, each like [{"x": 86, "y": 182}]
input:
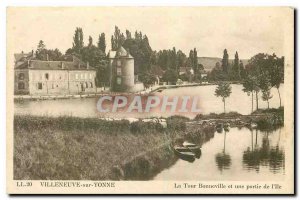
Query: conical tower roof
[{"x": 122, "y": 52}]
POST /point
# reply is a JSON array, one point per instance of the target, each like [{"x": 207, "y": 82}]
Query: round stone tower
[{"x": 122, "y": 70}]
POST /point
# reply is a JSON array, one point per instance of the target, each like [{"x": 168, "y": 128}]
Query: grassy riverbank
[
  {"x": 67, "y": 148},
  {"x": 72, "y": 148}
]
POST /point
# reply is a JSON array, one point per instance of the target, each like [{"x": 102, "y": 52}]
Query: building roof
[
  {"x": 55, "y": 65},
  {"x": 121, "y": 52},
  {"x": 22, "y": 56}
]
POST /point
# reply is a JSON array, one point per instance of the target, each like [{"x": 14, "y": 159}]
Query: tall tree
[
  {"x": 78, "y": 40},
  {"x": 117, "y": 39},
  {"x": 250, "y": 85},
  {"x": 236, "y": 67},
  {"x": 242, "y": 70},
  {"x": 41, "y": 46},
  {"x": 90, "y": 41},
  {"x": 223, "y": 90},
  {"x": 102, "y": 42},
  {"x": 195, "y": 61},
  {"x": 128, "y": 35},
  {"x": 276, "y": 72},
  {"x": 257, "y": 67},
  {"x": 47, "y": 54},
  {"x": 225, "y": 61},
  {"x": 40, "y": 50}
]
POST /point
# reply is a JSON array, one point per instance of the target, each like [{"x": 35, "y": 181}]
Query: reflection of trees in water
[
  {"x": 223, "y": 160},
  {"x": 265, "y": 155}
]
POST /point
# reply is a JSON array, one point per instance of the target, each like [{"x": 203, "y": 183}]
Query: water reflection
[
  {"x": 271, "y": 156},
  {"x": 223, "y": 159},
  {"x": 239, "y": 154}
]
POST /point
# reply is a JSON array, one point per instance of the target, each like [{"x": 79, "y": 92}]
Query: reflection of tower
[{"x": 121, "y": 70}]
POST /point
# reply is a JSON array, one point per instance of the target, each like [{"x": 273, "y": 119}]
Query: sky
[{"x": 208, "y": 29}]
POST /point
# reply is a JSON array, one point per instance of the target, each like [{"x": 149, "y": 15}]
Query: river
[
  {"x": 257, "y": 156},
  {"x": 238, "y": 101}
]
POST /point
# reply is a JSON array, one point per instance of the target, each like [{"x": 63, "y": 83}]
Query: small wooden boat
[
  {"x": 184, "y": 153},
  {"x": 193, "y": 148}
]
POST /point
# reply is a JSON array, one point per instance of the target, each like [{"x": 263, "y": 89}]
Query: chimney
[
  {"x": 28, "y": 63},
  {"x": 62, "y": 65},
  {"x": 87, "y": 65}
]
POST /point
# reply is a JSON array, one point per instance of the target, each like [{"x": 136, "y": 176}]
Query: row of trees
[
  {"x": 228, "y": 71},
  {"x": 263, "y": 73},
  {"x": 169, "y": 61}
]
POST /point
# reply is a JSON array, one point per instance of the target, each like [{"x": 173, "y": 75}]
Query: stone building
[
  {"x": 36, "y": 77},
  {"x": 121, "y": 66}
]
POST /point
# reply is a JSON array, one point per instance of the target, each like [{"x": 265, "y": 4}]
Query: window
[
  {"x": 76, "y": 76},
  {"x": 21, "y": 76},
  {"x": 40, "y": 86},
  {"x": 21, "y": 86},
  {"x": 82, "y": 76},
  {"x": 119, "y": 71},
  {"x": 91, "y": 84},
  {"x": 85, "y": 76},
  {"x": 91, "y": 76},
  {"x": 47, "y": 76},
  {"x": 86, "y": 85},
  {"x": 119, "y": 63},
  {"x": 119, "y": 80}
]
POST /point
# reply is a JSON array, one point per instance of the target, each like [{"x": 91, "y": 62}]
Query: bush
[{"x": 177, "y": 123}]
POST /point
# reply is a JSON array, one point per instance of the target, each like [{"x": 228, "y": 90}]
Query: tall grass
[{"x": 70, "y": 148}]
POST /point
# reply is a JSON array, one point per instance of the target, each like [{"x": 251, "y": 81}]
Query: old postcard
[{"x": 150, "y": 100}]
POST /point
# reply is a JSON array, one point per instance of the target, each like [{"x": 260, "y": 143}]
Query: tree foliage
[
  {"x": 42, "y": 53},
  {"x": 78, "y": 40},
  {"x": 225, "y": 61},
  {"x": 102, "y": 42},
  {"x": 223, "y": 90}
]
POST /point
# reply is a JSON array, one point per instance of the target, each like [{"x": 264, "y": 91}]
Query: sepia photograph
[{"x": 172, "y": 100}]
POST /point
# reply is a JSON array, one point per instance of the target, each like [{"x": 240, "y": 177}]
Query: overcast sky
[{"x": 209, "y": 30}]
